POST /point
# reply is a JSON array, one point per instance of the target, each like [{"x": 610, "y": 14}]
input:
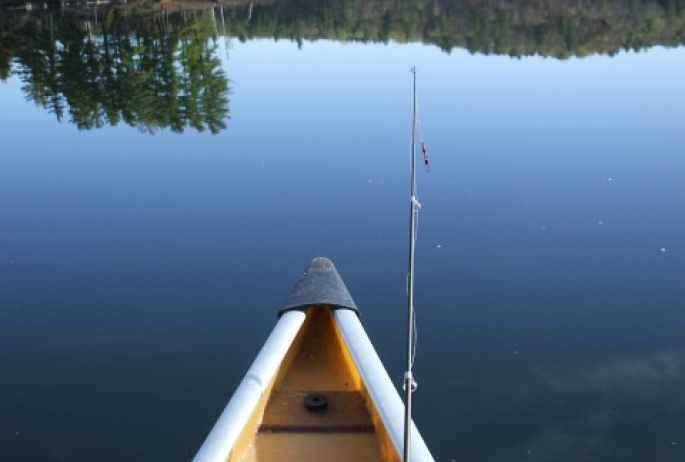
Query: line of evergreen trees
[{"x": 555, "y": 28}]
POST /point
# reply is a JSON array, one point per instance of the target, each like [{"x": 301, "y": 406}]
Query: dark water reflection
[{"x": 139, "y": 275}]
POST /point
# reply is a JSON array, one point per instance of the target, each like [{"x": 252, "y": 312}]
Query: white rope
[
  {"x": 418, "y": 118},
  {"x": 410, "y": 156},
  {"x": 416, "y": 337}
]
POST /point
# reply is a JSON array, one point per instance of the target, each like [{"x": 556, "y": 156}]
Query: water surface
[{"x": 142, "y": 272}]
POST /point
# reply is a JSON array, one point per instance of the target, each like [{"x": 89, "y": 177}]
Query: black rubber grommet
[{"x": 316, "y": 401}]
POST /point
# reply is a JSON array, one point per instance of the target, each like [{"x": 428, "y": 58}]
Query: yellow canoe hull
[
  {"x": 317, "y": 391},
  {"x": 347, "y": 428}
]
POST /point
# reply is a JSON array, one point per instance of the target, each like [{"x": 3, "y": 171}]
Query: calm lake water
[{"x": 140, "y": 273}]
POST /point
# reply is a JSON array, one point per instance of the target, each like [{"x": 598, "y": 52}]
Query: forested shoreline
[{"x": 554, "y": 28}]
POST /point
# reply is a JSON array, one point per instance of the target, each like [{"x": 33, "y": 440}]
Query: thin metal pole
[{"x": 408, "y": 378}]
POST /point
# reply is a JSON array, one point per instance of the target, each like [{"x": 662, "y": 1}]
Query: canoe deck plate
[{"x": 346, "y": 412}]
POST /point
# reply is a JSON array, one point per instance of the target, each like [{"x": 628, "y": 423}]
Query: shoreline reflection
[{"x": 151, "y": 74}]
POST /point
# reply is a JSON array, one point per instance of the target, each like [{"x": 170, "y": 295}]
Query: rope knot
[
  {"x": 415, "y": 202},
  {"x": 409, "y": 378}
]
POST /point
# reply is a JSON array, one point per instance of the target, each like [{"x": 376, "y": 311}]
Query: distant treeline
[
  {"x": 150, "y": 73},
  {"x": 556, "y": 28}
]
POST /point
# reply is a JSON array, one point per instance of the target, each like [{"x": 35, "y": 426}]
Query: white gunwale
[
  {"x": 232, "y": 421},
  {"x": 379, "y": 386}
]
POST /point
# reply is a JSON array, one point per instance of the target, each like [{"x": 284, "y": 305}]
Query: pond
[{"x": 167, "y": 174}]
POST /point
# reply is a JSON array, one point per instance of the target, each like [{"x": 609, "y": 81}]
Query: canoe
[{"x": 317, "y": 390}]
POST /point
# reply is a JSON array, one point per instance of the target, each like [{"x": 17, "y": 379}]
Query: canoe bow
[{"x": 317, "y": 390}]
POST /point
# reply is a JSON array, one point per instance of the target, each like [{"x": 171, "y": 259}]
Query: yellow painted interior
[{"x": 317, "y": 361}]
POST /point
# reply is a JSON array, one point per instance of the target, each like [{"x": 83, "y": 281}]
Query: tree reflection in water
[
  {"x": 158, "y": 70},
  {"x": 150, "y": 72}
]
